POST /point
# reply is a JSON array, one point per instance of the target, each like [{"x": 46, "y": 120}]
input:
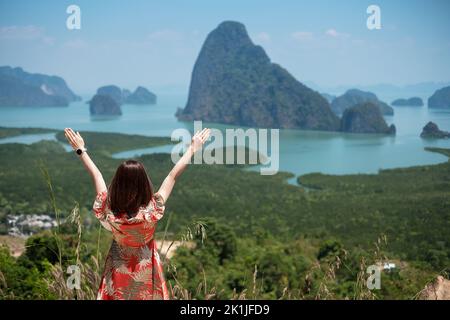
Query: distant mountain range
[
  {"x": 385, "y": 91},
  {"x": 20, "y": 88}
]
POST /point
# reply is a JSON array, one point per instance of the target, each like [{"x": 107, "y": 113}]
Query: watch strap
[{"x": 80, "y": 151}]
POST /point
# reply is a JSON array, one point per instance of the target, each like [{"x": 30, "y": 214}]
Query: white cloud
[
  {"x": 25, "y": 33},
  {"x": 302, "y": 35},
  {"x": 263, "y": 37},
  {"x": 21, "y": 32},
  {"x": 335, "y": 34}
]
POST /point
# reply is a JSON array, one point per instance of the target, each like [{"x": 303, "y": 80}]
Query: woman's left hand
[{"x": 75, "y": 139}]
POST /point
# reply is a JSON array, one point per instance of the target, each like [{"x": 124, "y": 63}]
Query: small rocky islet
[
  {"x": 411, "y": 102},
  {"x": 432, "y": 131},
  {"x": 108, "y": 99}
]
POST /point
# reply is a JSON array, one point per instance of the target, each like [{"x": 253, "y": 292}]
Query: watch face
[{"x": 79, "y": 151}]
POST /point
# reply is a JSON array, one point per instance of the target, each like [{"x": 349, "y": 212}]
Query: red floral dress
[{"x": 133, "y": 269}]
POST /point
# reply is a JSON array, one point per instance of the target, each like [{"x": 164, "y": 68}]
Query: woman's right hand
[
  {"x": 197, "y": 142},
  {"x": 75, "y": 139},
  {"x": 199, "y": 139}
]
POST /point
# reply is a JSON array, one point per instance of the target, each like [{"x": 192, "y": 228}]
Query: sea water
[{"x": 300, "y": 151}]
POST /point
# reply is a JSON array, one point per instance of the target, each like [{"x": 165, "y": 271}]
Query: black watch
[{"x": 80, "y": 151}]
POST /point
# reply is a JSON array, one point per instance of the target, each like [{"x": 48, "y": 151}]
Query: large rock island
[
  {"x": 411, "y": 102},
  {"x": 440, "y": 99},
  {"x": 234, "y": 82},
  {"x": 104, "y": 105},
  {"x": 365, "y": 117},
  {"x": 19, "y": 88},
  {"x": 355, "y": 96},
  {"x": 431, "y": 130}
]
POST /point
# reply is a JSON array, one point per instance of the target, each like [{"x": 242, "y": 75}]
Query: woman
[{"x": 130, "y": 210}]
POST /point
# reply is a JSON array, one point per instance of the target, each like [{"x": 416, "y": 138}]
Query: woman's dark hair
[{"x": 130, "y": 188}]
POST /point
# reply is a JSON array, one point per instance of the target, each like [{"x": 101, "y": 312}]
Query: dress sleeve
[
  {"x": 99, "y": 206},
  {"x": 156, "y": 207}
]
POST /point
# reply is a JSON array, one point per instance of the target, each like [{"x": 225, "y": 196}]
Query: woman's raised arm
[
  {"x": 197, "y": 141},
  {"x": 77, "y": 142}
]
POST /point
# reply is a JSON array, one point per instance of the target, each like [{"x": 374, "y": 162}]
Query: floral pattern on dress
[{"x": 133, "y": 269}]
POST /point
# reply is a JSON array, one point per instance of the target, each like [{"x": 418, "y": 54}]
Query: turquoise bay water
[{"x": 300, "y": 151}]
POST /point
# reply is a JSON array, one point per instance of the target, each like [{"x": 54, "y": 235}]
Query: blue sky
[{"x": 155, "y": 43}]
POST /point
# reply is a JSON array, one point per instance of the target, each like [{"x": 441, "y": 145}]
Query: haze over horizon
[{"x": 155, "y": 44}]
